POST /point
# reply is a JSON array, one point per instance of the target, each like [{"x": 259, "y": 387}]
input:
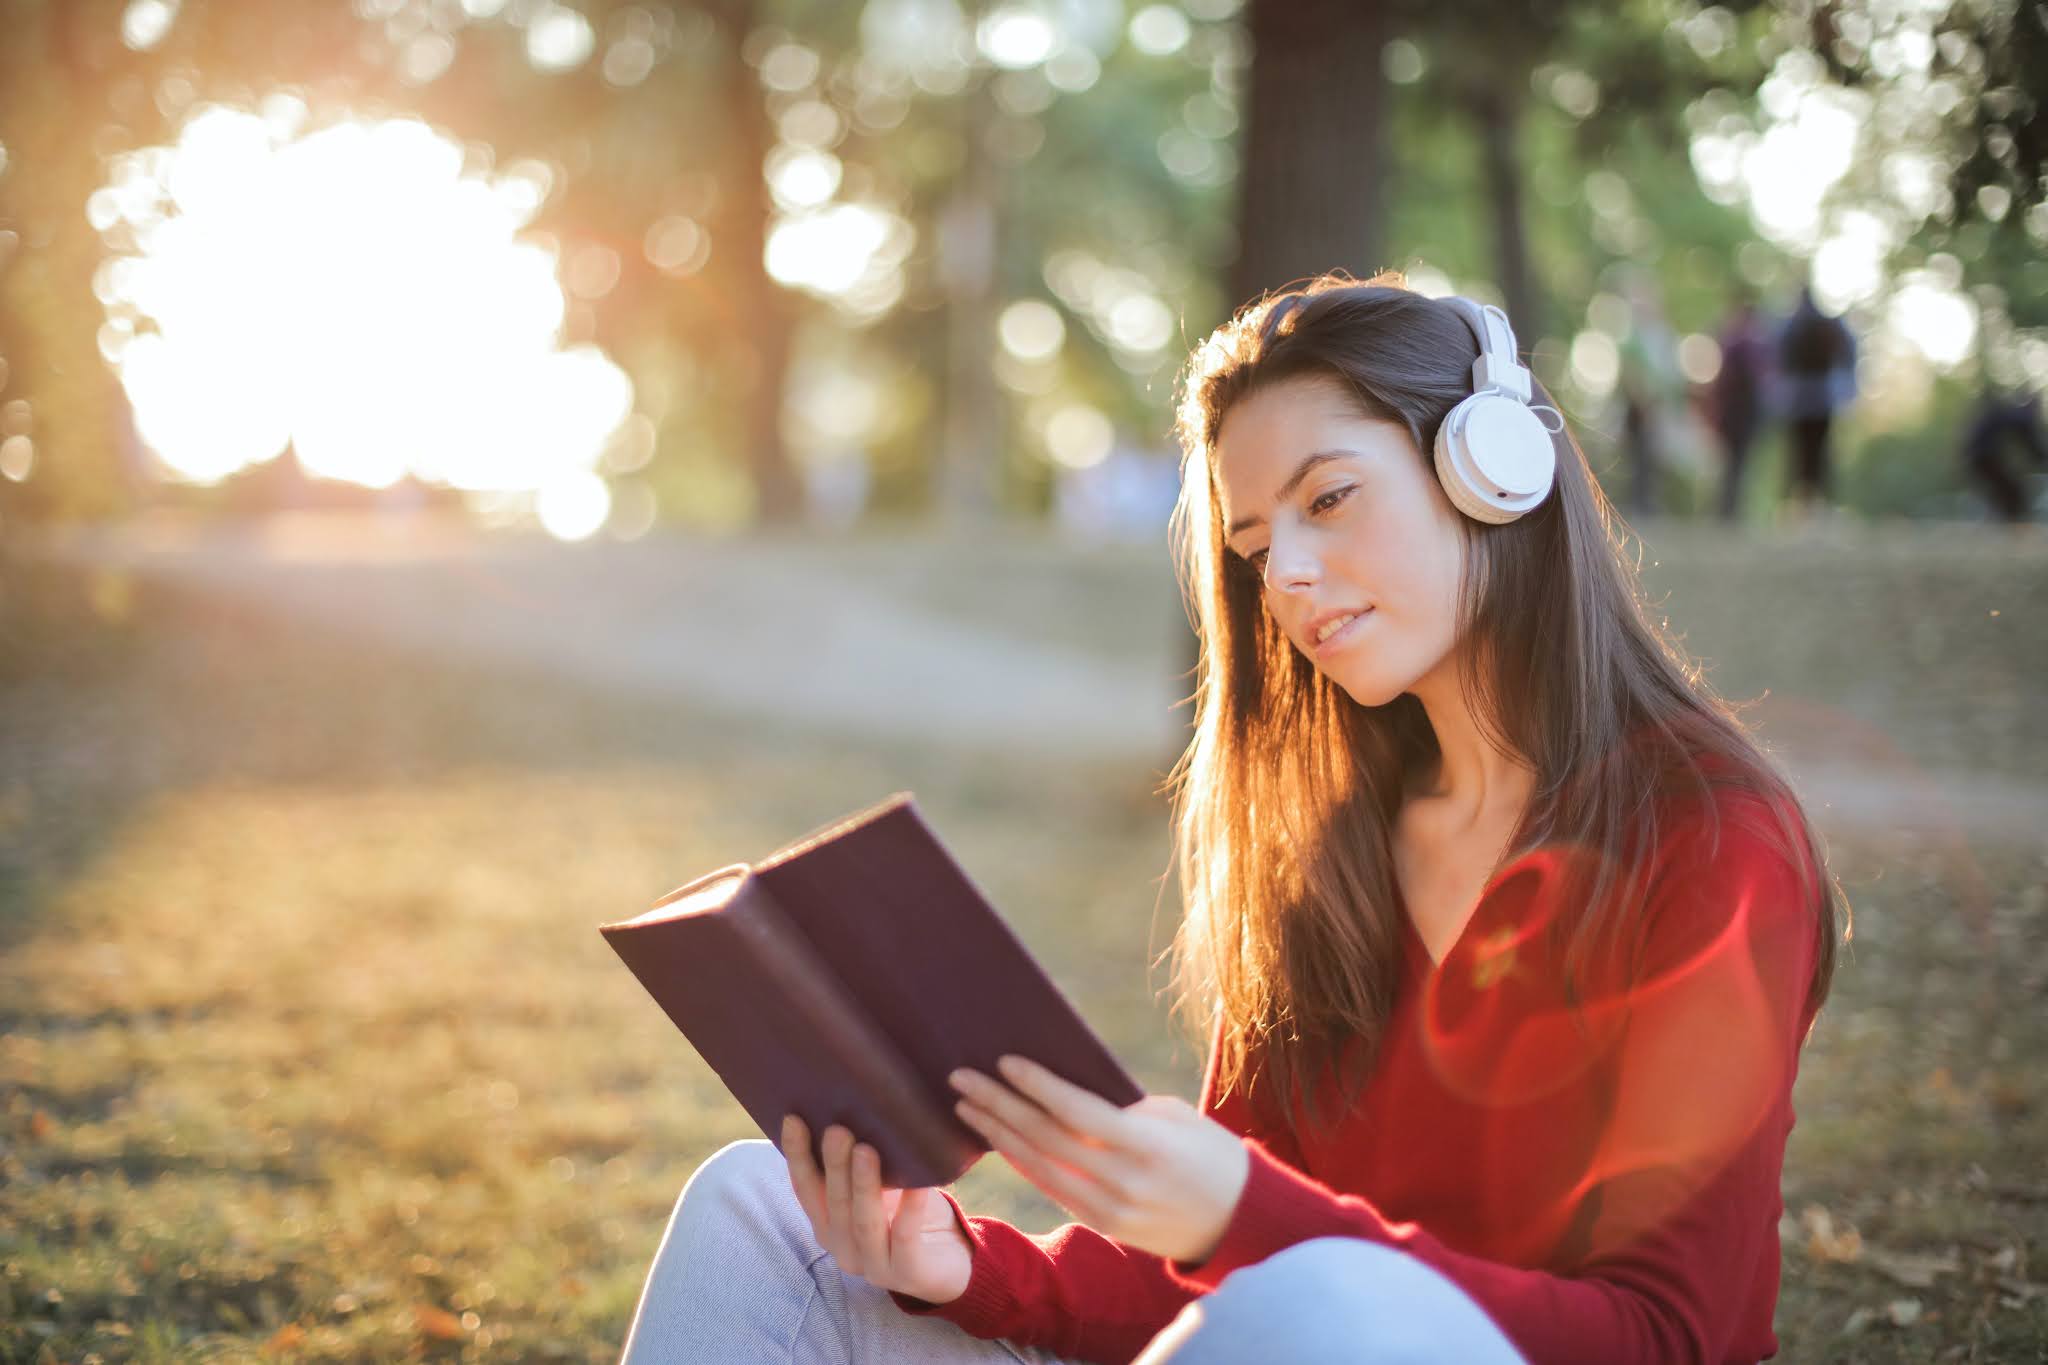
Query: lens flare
[{"x": 1622, "y": 1104}]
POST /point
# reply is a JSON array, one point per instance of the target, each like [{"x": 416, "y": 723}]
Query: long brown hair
[{"x": 1289, "y": 948}]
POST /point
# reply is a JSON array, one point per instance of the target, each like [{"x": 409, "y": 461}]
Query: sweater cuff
[
  {"x": 1278, "y": 1207},
  {"x": 985, "y": 1308}
]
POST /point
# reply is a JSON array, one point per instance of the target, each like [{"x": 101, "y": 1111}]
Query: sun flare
[{"x": 354, "y": 294}]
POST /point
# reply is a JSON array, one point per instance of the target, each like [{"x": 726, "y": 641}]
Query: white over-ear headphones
[{"x": 1494, "y": 455}]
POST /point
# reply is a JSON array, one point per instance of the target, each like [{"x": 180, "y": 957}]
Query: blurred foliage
[
  {"x": 1591, "y": 104},
  {"x": 1991, "y": 58}
]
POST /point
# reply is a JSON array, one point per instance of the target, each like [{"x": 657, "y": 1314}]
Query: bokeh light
[
  {"x": 851, "y": 254},
  {"x": 1159, "y": 30},
  {"x": 1942, "y": 322},
  {"x": 145, "y": 22},
  {"x": 1015, "y": 36},
  {"x": 1079, "y": 436},
  {"x": 558, "y": 38},
  {"x": 1031, "y": 329},
  {"x": 355, "y": 295}
]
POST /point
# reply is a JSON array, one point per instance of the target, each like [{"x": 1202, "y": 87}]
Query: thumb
[{"x": 921, "y": 1210}]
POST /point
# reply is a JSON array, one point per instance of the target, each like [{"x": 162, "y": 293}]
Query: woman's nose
[{"x": 1290, "y": 566}]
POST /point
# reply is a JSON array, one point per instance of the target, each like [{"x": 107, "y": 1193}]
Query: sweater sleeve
[
  {"x": 1686, "y": 1183},
  {"x": 1075, "y": 1291}
]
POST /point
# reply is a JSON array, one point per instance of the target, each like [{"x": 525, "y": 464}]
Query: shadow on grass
[{"x": 115, "y": 688}]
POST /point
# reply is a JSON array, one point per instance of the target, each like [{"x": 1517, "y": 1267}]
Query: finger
[
  {"x": 870, "y": 1217},
  {"x": 838, "y": 1189},
  {"x": 1079, "y": 1109},
  {"x": 1073, "y": 1189},
  {"x": 910, "y": 1208},
  {"x": 803, "y": 1171},
  {"x": 1045, "y": 1132}
]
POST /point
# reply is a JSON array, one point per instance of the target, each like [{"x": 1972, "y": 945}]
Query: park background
[{"x": 468, "y": 466}]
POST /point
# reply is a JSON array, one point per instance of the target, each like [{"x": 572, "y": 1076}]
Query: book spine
[{"x": 880, "y": 1072}]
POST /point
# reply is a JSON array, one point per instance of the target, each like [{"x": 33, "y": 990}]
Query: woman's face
[{"x": 1341, "y": 514}]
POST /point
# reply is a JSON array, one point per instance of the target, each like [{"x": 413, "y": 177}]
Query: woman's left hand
[{"x": 1158, "y": 1175}]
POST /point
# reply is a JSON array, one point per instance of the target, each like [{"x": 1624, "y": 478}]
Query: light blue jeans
[{"x": 739, "y": 1279}]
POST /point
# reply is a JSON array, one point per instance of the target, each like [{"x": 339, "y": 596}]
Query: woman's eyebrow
[{"x": 1301, "y": 471}]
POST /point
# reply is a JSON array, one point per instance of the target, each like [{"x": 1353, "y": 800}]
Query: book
[{"x": 845, "y": 976}]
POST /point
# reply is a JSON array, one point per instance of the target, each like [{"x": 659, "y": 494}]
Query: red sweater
[{"x": 1606, "y": 1191}]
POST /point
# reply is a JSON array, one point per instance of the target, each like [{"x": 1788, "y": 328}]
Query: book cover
[{"x": 844, "y": 976}]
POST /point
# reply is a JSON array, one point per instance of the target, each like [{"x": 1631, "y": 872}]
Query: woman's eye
[
  {"x": 1331, "y": 498},
  {"x": 1257, "y": 559}
]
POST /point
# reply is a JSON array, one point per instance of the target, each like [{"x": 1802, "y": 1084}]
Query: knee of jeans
[
  {"x": 746, "y": 1179},
  {"x": 1388, "y": 1298},
  {"x": 1367, "y": 1278}
]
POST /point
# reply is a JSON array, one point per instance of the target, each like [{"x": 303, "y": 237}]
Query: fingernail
[{"x": 958, "y": 1080}]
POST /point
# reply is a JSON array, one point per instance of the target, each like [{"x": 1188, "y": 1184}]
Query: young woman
[{"x": 1503, "y": 933}]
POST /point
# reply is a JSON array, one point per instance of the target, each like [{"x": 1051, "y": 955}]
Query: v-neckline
[
  {"x": 1421, "y": 945},
  {"x": 1415, "y": 938}
]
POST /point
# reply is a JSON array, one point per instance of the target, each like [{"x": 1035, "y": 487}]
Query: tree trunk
[
  {"x": 764, "y": 313},
  {"x": 1314, "y": 164},
  {"x": 968, "y": 227},
  {"x": 56, "y": 60},
  {"x": 1496, "y": 115}
]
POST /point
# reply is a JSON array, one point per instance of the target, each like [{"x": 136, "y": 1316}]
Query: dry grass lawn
[{"x": 309, "y": 1048}]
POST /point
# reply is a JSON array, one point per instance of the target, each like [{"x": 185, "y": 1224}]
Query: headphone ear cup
[
  {"x": 1529, "y": 459},
  {"x": 1455, "y": 488}
]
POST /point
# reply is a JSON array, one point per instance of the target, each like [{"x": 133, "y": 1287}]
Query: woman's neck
[{"x": 1468, "y": 784}]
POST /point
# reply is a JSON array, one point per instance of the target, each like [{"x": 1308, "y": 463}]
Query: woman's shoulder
[
  {"x": 1724, "y": 800},
  {"x": 1732, "y": 853}
]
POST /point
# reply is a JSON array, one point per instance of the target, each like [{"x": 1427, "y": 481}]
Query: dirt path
[
  {"x": 739, "y": 626},
  {"x": 852, "y": 637}
]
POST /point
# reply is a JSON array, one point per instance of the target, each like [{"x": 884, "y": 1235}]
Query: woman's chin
[{"x": 1368, "y": 689}]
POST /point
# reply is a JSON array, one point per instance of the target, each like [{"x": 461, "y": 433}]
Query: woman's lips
[{"x": 1338, "y": 638}]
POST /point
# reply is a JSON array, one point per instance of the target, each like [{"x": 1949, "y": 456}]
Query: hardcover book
[{"x": 843, "y": 978}]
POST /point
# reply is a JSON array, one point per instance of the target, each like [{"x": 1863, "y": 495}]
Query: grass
[{"x": 309, "y": 1048}]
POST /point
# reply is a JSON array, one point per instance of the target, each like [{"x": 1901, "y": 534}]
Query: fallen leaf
[
  {"x": 1941, "y": 1087},
  {"x": 41, "y": 1125},
  {"x": 284, "y": 1339},
  {"x": 437, "y": 1323},
  {"x": 1912, "y": 1269},
  {"x": 1826, "y": 1242},
  {"x": 2021, "y": 1289},
  {"x": 2010, "y": 1096},
  {"x": 1903, "y": 1312}
]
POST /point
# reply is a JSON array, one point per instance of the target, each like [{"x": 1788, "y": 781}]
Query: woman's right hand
[{"x": 905, "y": 1240}]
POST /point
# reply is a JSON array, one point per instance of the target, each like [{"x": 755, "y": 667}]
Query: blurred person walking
[
  {"x": 1817, "y": 365},
  {"x": 1739, "y": 399},
  {"x": 1649, "y": 385},
  {"x": 2001, "y": 420}
]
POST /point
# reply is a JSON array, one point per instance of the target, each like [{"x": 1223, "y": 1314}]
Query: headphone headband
[{"x": 1497, "y": 369}]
